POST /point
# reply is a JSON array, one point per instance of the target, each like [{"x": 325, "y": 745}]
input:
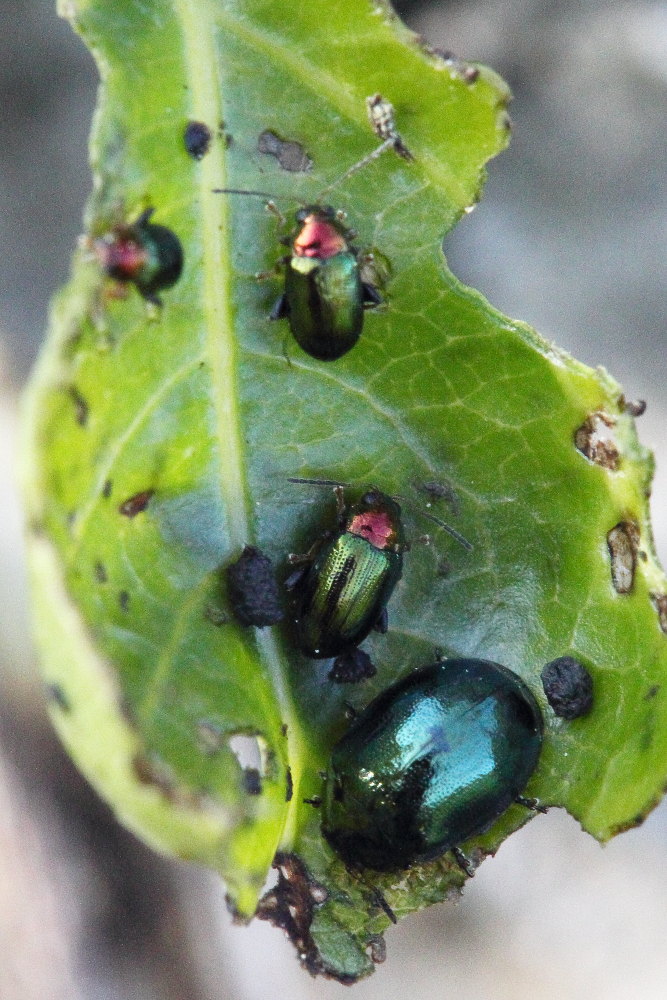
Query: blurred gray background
[{"x": 571, "y": 236}]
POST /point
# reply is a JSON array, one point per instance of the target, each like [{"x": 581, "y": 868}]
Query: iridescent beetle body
[
  {"x": 344, "y": 591},
  {"x": 324, "y": 295},
  {"x": 433, "y": 760},
  {"x": 143, "y": 253}
]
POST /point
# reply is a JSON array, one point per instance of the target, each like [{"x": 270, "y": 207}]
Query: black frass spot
[
  {"x": 253, "y": 591},
  {"x": 568, "y": 686}
]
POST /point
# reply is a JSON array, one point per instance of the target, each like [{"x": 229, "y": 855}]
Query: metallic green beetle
[
  {"x": 324, "y": 295},
  {"x": 433, "y": 760},
  {"x": 343, "y": 591}
]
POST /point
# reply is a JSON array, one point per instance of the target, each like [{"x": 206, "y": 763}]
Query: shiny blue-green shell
[
  {"x": 432, "y": 761},
  {"x": 325, "y": 300}
]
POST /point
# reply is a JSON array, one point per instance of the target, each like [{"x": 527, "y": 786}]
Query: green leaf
[{"x": 204, "y": 410}]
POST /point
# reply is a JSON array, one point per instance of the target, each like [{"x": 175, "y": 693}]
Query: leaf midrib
[{"x": 201, "y": 66}]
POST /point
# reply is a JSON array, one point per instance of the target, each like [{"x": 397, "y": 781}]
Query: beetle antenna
[
  {"x": 378, "y": 151},
  {"x": 257, "y": 194},
  {"x": 457, "y": 536},
  {"x": 450, "y": 531},
  {"x": 318, "y": 482}
]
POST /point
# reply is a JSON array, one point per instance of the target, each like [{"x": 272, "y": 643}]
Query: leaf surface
[{"x": 205, "y": 410}]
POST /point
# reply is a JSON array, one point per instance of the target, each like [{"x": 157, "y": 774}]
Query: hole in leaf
[
  {"x": 623, "y": 543},
  {"x": 595, "y": 439},
  {"x": 255, "y": 758}
]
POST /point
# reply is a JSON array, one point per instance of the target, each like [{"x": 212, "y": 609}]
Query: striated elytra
[
  {"x": 324, "y": 296},
  {"x": 433, "y": 760},
  {"x": 344, "y": 591}
]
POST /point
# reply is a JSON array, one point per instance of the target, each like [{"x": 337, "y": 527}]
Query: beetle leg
[
  {"x": 273, "y": 272},
  {"x": 382, "y": 624},
  {"x": 339, "y": 492},
  {"x": 280, "y": 309},
  {"x": 383, "y": 904},
  {"x": 286, "y": 340},
  {"x": 271, "y": 207},
  {"x": 144, "y": 217},
  {"x": 532, "y": 804},
  {"x": 295, "y": 578},
  {"x": 299, "y": 558},
  {"x": 371, "y": 295},
  {"x": 464, "y": 862}
]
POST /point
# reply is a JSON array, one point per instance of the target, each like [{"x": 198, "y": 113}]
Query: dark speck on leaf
[
  {"x": 568, "y": 687},
  {"x": 106, "y": 489},
  {"x": 439, "y": 491},
  {"x": 226, "y": 136},
  {"x": 57, "y": 697},
  {"x": 100, "y": 572},
  {"x": 197, "y": 139},
  {"x": 289, "y": 786},
  {"x": 463, "y": 69},
  {"x": 251, "y": 781},
  {"x": 290, "y": 155},
  {"x": 124, "y": 600},
  {"x": 80, "y": 406},
  {"x": 136, "y": 504}
]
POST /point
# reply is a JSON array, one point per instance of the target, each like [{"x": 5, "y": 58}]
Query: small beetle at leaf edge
[
  {"x": 433, "y": 760},
  {"x": 143, "y": 253}
]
